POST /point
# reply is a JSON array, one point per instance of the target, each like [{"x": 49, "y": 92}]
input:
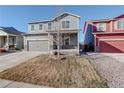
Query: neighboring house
[
  {"x": 42, "y": 36},
  {"x": 105, "y": 35},
  {"x": 10, "y": 38}
]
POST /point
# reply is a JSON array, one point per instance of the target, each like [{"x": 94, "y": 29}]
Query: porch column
[
  {"x": 7, "y": 42},
  {"x": 15, "y": 43},
  {"x": 49, "y": 42}
]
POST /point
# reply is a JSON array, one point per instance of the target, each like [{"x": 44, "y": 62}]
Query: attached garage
[
  {"x": 36, "y": 42},
  {"x": 111, "y": 46},
  {"x": 109, "y": 42},
  {"x": 37, "y": 45}
]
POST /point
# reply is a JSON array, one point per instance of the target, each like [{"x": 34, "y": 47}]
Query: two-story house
[
  {"x": 42, "y": 36},
  {"x": 105, "y": 35}
]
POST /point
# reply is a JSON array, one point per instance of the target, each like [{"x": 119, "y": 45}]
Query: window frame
[
  {"x": 65, "y": 24},
  {"x": 49, "y": 26},
  {"x": 33, "y": 27},
  {"x": 98, "y": 26},
  {"x": 121, "y": 25},
  {"x": 40, "y": 26}
]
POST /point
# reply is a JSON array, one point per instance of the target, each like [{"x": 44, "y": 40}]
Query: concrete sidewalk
[
  {"x": 11, "y": 60},
  {"x": 13, "y": 84}
]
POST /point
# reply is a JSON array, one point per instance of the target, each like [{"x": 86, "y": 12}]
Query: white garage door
[{"x": 38, "y": 45}]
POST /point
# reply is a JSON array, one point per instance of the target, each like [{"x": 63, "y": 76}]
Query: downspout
[{"x": 95, "y": 43}]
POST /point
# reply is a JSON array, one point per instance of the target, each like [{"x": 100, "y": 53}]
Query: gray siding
[
  {"x": 39, "y": 34},
  {"x": 20, "y": 42},
  {"x": 74, "y": 24}
]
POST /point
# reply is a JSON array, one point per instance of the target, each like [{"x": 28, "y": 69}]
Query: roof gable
[
  {"x": 64, "y": 15},
  {"x": 2, "y": 33},
  {"x": 10, "y": 30},
  {"x": 56, "y": 18}
]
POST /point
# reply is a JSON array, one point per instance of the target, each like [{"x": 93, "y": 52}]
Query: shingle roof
[
  {"x": 120, "y": 16},
  {"x": 57, "y": 17},
  {"x": 64, "y": 15},
  {"x": 36, "y": 22},
  {"x": 11, "y": 30}
]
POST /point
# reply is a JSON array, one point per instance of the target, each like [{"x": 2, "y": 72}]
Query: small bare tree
[
  {"x": 59, "y": 11},
  {"x": 58, "y": 38}
]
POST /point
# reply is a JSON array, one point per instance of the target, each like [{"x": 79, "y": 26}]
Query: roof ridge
[{"x": 55, "y": 18}]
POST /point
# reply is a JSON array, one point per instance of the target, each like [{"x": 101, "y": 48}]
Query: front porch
[
  {"x": 8, "y": 42},
  {"x": 68, "y": 42}
]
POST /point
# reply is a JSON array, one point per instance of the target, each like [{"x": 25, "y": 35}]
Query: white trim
[
  {"x": 108, "y": 33},
  {"x": 73, "y": 14},
  {"x": 35, "y": 40},
  {"x": 49, "y": 42},
  {"x": 111, "y": 39},
  {"x": 66, "y": 13},
  {"x": 7, "y": 42}
]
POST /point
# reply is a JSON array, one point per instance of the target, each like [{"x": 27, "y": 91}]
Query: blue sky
[{"x": 19, "y": 16}]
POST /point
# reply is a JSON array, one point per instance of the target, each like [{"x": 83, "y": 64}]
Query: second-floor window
[
  {"x": 49, "y": 25},
  {"x": 101, "y": 27},
  {"x": 120, "y": 25},
  {"x": 65, "y": 24},
  {"x": 32, "y": 27},
  {"x": 40, "y": 26}
]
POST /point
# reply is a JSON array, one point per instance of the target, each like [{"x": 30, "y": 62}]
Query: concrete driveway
[
  {"x": 117, "y": 56},
  {"x": 109, "y": 66},
  {"x": 10, "y": 60}
]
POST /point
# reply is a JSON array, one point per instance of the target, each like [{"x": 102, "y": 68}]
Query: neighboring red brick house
[{"x": 105, "y": 35}]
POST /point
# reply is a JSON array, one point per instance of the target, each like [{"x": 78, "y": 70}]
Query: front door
[
  {"x": 12, "y": 41},
  {"x": 67, "y": 41}
]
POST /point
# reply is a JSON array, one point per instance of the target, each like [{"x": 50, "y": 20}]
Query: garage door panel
[
  {"x": 111, "y": 46},
  {"x": 38, "y": 45}
]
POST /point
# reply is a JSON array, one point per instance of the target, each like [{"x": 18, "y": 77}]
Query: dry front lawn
[{"x": 43, "y": 70}]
